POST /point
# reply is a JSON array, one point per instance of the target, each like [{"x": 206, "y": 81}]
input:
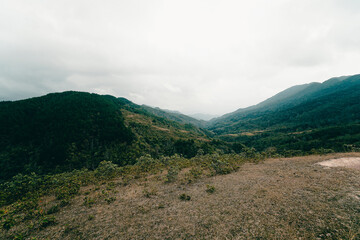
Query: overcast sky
[{"x": 209, "y": 56}]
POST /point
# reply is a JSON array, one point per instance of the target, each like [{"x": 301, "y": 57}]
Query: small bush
[
  {"x": 54, "y": 209},
  {"x": 150, "y": 192},
  {"x": 146, "y": 164},
  {"x": 184, "y": 197},
  {"x": 88, "y": 202},
  {"x": 210, "y": 189},
  {"x": 221, "y": 167},
  {"x": 193, "y": 174},
  {"x": 106, "y": 170},
  {"x": 110, "y": 199},
  {"x": 47, "y": 221},
  {"x": 64, "y": 202},
  {"x": 8, "y": 223},
  {"x": 67, "y": 190},
  {"x": 172, "y": 174}
]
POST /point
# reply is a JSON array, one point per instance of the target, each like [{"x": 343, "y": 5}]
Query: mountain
[
  {"x": 59, "y": 132},
  {"x": 175, "y": 116},
  {"x": 202, "y": 116},
  {"x": 328, "y": 107},
  {"x": 70, "y": 130},
  {"x": 286, "y": 103}
]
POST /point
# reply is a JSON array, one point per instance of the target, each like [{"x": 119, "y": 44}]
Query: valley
[{"x": 76, "y": 165}]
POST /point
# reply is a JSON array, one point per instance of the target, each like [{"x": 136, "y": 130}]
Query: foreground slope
[{"x": 277, "y": 199}]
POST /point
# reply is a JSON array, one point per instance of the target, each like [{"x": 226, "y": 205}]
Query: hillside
[
  {"x": 52, "y": 133},
  {"x": 299, "y": 114},
  {"x": 202, "y": 116},
  {"x": 64, "y": 131},
  {"x": 302, "y": 96},
  {"x": 175, "y": 116},
  {"x": 76, "y": 165},
  {"x": 292, "y": 198}
]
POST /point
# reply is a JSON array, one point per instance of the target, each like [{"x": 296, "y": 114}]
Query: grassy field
[{"x": 279, "y": 198}]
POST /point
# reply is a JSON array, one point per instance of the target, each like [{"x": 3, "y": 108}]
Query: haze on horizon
[{"x": 194, "y": 56}]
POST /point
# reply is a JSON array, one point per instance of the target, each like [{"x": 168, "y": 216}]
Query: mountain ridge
[{"x": 290, "y": 97}]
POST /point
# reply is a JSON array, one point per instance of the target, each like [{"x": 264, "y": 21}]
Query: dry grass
[{"x": 278, "y": 199}]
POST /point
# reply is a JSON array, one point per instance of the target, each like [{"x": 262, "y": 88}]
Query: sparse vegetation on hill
[
  {"x": 206, "y": 197},
  {"x": 24, "y": 209}
]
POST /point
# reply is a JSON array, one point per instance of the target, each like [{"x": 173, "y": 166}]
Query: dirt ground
[
  {"x": 349, "y": 162},
  {"x": 293, "y": 198}
]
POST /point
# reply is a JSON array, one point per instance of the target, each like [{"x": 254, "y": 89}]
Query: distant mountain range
[
  {"x": 70, "y": 130},
  {"x": 203, "y": 116},
  {"x": 335, "y": 101},
  {"x": 302, "y": 118}
]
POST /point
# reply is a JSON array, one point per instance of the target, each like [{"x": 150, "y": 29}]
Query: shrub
[
  {"x": 110, "y": 199},
  {"x": 47, "y": 221},
  {"x": 18, "y": 187},
  {"x": 106, "y": 170},
  {"x": 172, "y": 174},
  {"x": 67, "y": 190},
  {"x": 210, "y": 189},
  {"x": 184, "y": 197},
  {"x": 64, "y": 202},
  {"x": 53, "y": 209},
  {"x": 8, "y": 223},
  {"x": 88, "y": 202},
  {"x": 193, "y": 174},
  {"x": 149, "y": 193},
  {"x": 148, "y": 164},
  {"x": 221, "y": 167}
]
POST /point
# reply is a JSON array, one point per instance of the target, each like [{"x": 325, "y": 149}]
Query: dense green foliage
[
  {"x": 54, "y": 131},
  {"x": 302, "y": 118},
  {"x": 295, "y": 105},
  {"x": 175, "y": 116},
  {"x": 71, "y": 130}
]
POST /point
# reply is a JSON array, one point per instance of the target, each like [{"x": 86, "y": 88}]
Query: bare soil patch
[
  {"x": 161, "y": 129},
  {"x": 352, "y": 162}
]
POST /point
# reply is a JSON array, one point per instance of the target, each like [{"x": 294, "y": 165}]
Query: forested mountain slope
[
  {"x": 335, "y": 101},
  {"x": 311, "y": 116},
  {"x": 71, "y": 130},
  {"x": 175, "y": 116}
]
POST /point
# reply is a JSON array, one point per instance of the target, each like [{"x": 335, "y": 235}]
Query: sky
[{"x": 194, "y": 56}]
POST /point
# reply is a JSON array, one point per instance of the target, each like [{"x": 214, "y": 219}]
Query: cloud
[{"x": 194, "y": 55}]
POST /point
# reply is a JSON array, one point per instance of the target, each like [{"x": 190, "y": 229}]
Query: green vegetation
[
  {"x": 301, "y": 120},
  {"x": 21, "y": 197},
  {"x": 59, "y": 148},
  {"x": 58, "y": 132},
  {"x": 184, "y": 197},
  {"x": 72, "y": 130},
  {"x": 210, "y": 189}
]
